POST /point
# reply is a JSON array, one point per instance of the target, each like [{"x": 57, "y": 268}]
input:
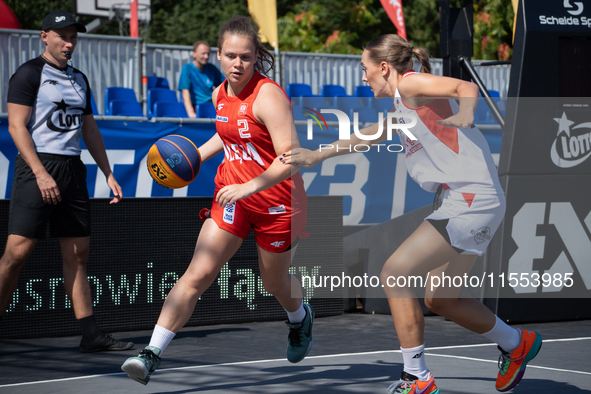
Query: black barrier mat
[{"x": 139, "y": 248}]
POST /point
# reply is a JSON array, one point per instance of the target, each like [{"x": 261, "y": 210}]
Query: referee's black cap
[{"x": 60, "y": 19}]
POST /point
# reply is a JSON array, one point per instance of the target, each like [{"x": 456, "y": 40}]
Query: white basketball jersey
[{"x": 456, "y": 157}]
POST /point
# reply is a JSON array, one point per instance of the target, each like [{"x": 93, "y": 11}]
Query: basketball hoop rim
[{"x": 119, "y": 12}]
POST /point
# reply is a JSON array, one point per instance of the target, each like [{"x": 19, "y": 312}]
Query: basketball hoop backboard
[{"x": 102, "y": 8}]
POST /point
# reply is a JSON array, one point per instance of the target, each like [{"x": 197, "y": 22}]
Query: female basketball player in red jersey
[
  {"x": 448, "y": 152},
  {"x": 254, "y": 190}
]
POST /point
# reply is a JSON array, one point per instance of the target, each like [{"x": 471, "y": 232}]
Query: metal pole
[
  {"x": 144, "y": 76},
  {"x": 133, "y": 21},
  {"x": 277, "y": 66},
  {"x": 467, "y": 66}
]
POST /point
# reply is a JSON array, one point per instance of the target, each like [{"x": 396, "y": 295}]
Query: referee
[{"x": 48, "y": 111}]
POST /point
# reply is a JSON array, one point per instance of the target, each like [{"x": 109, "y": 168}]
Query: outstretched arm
[{"x": 307, "y": 158}]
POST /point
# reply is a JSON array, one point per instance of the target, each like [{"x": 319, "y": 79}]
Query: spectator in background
[{"x": 198, "y": 78}]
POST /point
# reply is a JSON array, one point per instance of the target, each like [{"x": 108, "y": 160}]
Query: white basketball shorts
[{"x": 468, "y": 221}]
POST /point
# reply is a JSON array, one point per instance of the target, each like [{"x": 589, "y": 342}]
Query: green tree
[
  {"x": 328, "y": 26},
  {"x": 421, "y": 18},
  {"x": 493, "y": 29},
  {"x": 179, "y": 22}
]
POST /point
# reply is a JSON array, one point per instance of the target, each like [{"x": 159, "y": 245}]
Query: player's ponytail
[
  {"x": 396, "y": 51},
  {"x": 241, "y": 26},
  {"x": 423, "y": 57}
]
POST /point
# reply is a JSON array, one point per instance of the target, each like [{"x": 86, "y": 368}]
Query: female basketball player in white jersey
[{"x": 450, "y": 154}]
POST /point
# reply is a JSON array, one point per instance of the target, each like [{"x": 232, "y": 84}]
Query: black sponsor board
[
  {"x": 540, "y": 256},
  {"x": 547, "y": 135},
  {"x": 552, "y": 49},
  {"x": 141, "y": 247}
]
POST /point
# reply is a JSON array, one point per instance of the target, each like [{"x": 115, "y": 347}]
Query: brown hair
[
  {"x": 241, "y": 26},
  {"x": 197, "y": 43},
  {"x": 396, "y": 51}
]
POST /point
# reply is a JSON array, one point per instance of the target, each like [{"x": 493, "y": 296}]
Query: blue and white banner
[{"x": 374, "y": 184}]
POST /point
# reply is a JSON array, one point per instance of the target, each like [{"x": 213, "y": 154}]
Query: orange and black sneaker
[
  {"x": 512, "y": 365},
  {"x": 410, "y": 384}
]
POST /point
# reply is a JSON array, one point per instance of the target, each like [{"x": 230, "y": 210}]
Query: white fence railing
[{"x": 117, "y": 61}]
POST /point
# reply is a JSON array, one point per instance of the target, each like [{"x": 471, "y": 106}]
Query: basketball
[{"x": 174, "y": 161}]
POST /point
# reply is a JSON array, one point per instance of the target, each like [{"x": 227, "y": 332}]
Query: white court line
[
  {"x": 319, "y": 357},
  {"x": 495, "y": 362}
]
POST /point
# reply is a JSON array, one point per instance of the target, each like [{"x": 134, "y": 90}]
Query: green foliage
[
  {"x": 331, "y": 26},
  {"x": 421, "y": 18},
  {"x": 328, "y": 26},
  {"x": 493, "y": 29},
  {"x": 184, "y": 22},
  {"x": 30, "y": 13}
]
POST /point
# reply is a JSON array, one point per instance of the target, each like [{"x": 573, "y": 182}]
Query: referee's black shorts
[{"x": 29, "y": 214}]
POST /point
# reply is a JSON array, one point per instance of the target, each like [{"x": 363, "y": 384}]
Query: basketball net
[{"x": 121, "y": 12}]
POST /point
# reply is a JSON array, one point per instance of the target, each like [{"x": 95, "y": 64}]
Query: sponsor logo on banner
[
  {"x": 577, "y": 4},
  {"x": 229, "y": 212},
  {"x": 221, "y": 118},
  {"x": 242, "y": 110},
  {"x": 575, "y": 9},
  {"x": 572, "y": 145},
  {"x": 277, "y": 210},
  {"x": 532, "y": 252}
]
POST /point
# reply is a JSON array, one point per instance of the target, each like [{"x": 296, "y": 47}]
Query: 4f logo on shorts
[
  {"x": 229, "y": 211},
  {"x": 277, "y": 244}
]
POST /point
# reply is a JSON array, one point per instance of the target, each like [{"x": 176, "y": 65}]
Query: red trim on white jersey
[{"x": 459, "y": 158}]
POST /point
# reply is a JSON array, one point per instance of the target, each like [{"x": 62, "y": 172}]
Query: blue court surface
[{"x": 352, "y": 353}]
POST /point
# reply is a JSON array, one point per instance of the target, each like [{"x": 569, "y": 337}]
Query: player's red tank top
[{"x": 249, "y": 151}]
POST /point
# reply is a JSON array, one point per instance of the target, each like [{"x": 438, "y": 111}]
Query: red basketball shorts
[{"x": 274, "y": 232}]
